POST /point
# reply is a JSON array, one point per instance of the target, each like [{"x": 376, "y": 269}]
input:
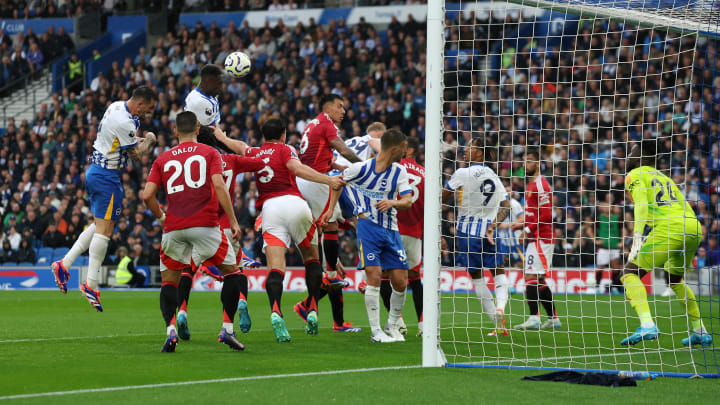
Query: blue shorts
[
  {"x": 476, "y": 253},
  {"x": 106, "y": 192},
  {"x": 379, "y": 246}
]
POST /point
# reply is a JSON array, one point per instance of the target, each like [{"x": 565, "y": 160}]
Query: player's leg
[
  {"x": 175, "y": 255},
  {"x": 681, "y": 257},
  {"x": 385, "y": 289},
  {"x": 313, "y": 280},
  {"x": 168, "y": 305},
  {"x": 495, "y": 261},
  {"x": 471, "y": 249},
  {"x": 652, "y": 254},
  {"x": 545, "y": 295},
  {"x": 413, "y": 249},
  {"x": 81, "y": 245},
  {"x": 183, "y": 290},
  {"x": 369, "y": 249},
  {"x": 603, "y": 260},
  {"x": 533, "y": 270},
  {"x": 244, "y": 320}
]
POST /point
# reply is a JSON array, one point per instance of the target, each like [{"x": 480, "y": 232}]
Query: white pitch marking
[{"x": 215, "y": 381}]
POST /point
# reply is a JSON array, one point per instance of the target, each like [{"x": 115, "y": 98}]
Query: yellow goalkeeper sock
[
  {"x": 637, "y": 295},
  {"x": 687, "y": 298}
]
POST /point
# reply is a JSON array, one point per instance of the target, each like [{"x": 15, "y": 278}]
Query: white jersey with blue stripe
[
  {"x": 507, "y": 236},
  {"x": 205, "y": 108},
  {"x": 361, "y": 146},
  {"x": 369, "y": 188},
  {"x": 116, "y": 133},
  {"x": 480, "y": 198}
]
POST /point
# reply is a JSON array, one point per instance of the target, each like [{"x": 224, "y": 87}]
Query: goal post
[{"x": 583, "y": 81}]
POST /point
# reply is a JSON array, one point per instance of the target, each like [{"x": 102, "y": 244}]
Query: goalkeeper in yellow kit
[{"x": 671, "y": 244}]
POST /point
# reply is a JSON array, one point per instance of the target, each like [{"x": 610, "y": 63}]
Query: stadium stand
[{"x": 380, "y": 71}]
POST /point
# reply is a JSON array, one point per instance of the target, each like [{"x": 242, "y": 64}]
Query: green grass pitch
[{"x": 51, "y": 343}]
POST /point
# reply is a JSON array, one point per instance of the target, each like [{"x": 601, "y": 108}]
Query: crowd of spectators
[
  {"x": 26, "y": 53},
  {"x": 583, "y": 106}
]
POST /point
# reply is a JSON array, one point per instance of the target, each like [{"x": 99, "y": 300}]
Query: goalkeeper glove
[{"x": 638, "y": 242}]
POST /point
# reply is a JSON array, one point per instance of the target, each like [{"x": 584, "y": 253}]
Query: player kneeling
[
  {"x": 376, "y": 184},
  {"x": 191, "y": 228}
]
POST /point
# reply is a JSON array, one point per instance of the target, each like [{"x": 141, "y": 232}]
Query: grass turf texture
[{"x": 71, "y": 347}]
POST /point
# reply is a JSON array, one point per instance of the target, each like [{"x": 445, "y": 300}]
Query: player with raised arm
[
  {"x": 203, "y": 102},
  {"x": 539, "y": 231},
  {"x": 376, "y": 185},
  {"x": 191, "y": 177},
  {"x": 320, "y": 137},
  {"x": 365, "y": 147},
  {"x": 287, "y": 218},
  {"x": 483, "y": 196},
  {"x": 116, "y": 143},
  {"x": 671, "y": 244},
  {"x": 232, "y": 166}
]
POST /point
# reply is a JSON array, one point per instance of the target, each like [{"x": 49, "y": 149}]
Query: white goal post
[{"x": 660, "y": 81}]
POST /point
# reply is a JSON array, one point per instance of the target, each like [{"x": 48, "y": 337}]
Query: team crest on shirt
[
  {"x": 208, "y": 111},
  {"x": 383, "y": 183},
  {"x": 132, "y": 134}
]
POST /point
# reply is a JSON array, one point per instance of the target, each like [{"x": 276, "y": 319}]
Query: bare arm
[
  {"x": 334, "y": 197},
  {"x": 403, "y": 204},
  {"x": 150, "y": 199},
  {"x": 503, "y": 212},
  {"x": 343, "y": 149},
  {"x": 226, "y": 203},
  {"x": 234, "y": 145},
  {"x": 447, "y": 194},
  {"x": 143, "y": 147},
  {"x": 310, "y": 174}
]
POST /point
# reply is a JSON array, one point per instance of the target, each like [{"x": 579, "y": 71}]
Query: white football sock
[
  {"x": 81, "y": 245},
  {"x": 501, "y": 291},
  {"x": 171, "y": 328},
  {"x": 228, "y": 326},
  {"x": 397, "y": 302},
  {"x": 98, "y": 248},
  {"x": 483, "y": 293},
  {"x": 372, "y": 305}
]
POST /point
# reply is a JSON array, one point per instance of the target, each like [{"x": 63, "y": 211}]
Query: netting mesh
[{"x": 583, "y": 88}]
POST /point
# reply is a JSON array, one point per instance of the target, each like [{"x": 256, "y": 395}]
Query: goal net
[{"x": 582, "y": 81}]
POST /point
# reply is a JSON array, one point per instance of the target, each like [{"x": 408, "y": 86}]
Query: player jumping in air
[
  {"x": 203, "y": 102},
  {"x": 483, "y": 201},
  {"x": 672, "y": 243},
  {"x": 377, "y": 184},
  {"x": 116, "y": 142},
  {"x": 539, "y": 231},
  {"x": 191, "y": 176}
]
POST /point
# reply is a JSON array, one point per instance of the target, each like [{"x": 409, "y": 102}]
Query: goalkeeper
[{"x": 671, "y": 244}]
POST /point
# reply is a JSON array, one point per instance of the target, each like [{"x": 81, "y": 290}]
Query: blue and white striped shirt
[
  {"x": 115, "y": 135},
  {"x": 369, "y": 188},
  {"x": 205, "y": 108},
  {"x": 481, "y": 194}
]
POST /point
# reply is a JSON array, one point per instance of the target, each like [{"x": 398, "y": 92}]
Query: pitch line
[
  {"x": 196, "y": 382},
  {"x": 50, "y": 339}
]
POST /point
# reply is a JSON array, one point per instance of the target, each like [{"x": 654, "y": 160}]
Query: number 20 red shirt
[{"x": 185, "y": 173}]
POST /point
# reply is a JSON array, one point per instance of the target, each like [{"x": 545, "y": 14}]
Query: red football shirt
[
  {"x": 185, "y": 173},
  {"x": 538, "y": 211},
  {"x": 315, "y": 148},
  {"x": 274, "y": 179},
  {"x": 232, "y": 165},
  {"x": 410, "y": 222}
]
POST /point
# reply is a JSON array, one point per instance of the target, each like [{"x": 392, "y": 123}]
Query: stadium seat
[
  {"x": 59, "y": 253},
  {"x": 25, "y": 264},
  {"x": 82, "y": 261},
  {"x": 42, "y": 261},
  {"x": 45, "y": 253}
]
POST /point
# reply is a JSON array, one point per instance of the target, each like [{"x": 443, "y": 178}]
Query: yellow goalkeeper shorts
[{"x": 674, "y": 254}]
